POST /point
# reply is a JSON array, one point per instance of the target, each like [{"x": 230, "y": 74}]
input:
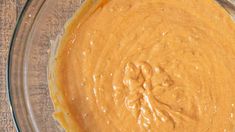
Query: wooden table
[{"x": 9, "y": 10}]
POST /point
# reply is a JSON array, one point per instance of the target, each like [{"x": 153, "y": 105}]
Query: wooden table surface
[{"x": 9, "y": 10}]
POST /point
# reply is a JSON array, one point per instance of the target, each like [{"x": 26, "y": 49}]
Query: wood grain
[{"x": 9, "y": 10}]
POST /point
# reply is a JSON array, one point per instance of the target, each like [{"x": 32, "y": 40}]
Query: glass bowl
[{"x": 40, "y": 22}]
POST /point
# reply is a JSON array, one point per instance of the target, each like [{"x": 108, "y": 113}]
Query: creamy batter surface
[{"x": 146, "y": 65}]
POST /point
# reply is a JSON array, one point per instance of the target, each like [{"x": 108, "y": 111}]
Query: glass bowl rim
[{"x": 8, "y": 63}]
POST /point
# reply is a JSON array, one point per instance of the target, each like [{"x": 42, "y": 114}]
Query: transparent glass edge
[{"x": 8, "y": 64}]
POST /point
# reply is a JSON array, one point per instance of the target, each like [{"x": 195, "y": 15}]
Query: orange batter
[{"x": 146, "y": 65}]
